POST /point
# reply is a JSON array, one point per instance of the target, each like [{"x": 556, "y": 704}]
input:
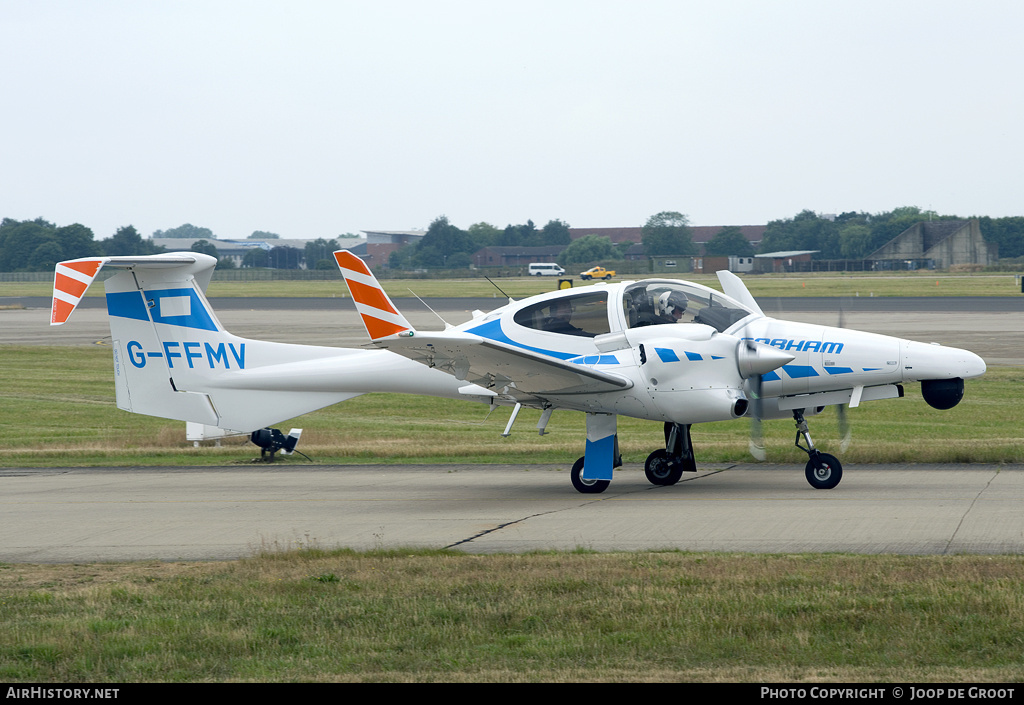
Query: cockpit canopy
[
  {"x": 597, "y": 311},
  {"x": 656, "y": 302}
]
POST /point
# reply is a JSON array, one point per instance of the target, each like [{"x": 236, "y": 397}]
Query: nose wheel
[{"x": 823, "y": 471}]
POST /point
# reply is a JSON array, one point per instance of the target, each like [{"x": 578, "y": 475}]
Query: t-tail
[{"x": 174, "y": 359}]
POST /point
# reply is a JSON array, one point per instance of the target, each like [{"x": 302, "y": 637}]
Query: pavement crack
[
  {"x": 507, "y": 524},
  {"x": 499, "y": 527},
  {"x": 967, "y": 511}
]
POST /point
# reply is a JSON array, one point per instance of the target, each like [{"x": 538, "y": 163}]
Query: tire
[
  {"x": 586, "y": 486},
  {"x": 659, "y": 469},
  {"x": 824, "y": 471}
]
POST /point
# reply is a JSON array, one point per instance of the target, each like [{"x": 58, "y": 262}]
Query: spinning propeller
[{"x": 756, "y": 360}]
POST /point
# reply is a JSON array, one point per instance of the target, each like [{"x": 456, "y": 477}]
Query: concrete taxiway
[{"x": 86, "y": 515}]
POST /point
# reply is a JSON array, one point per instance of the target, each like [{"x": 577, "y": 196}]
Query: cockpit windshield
[{"x": 657, "y": 302}]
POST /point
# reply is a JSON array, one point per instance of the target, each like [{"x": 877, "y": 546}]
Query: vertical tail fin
[{"x": 380, "y": 316}]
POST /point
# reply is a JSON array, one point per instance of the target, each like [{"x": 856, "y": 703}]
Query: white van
[{"x": 545, "y": 269}]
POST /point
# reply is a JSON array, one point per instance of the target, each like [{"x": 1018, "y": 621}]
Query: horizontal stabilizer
[{"x": 72, "y": 278}]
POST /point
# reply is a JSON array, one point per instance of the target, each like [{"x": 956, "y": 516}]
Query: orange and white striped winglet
[
  {"x": 379, "y": 315},
  {"x": 70, "y": 280}
]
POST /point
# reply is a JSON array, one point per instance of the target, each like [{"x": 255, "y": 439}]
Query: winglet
[
  {"x": 379, "y": 315},
  {"x": 70, "y": 281}
]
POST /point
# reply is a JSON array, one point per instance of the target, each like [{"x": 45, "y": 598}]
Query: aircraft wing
[{"x": 520, "y": 373}]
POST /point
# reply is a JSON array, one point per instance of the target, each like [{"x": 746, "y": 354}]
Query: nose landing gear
[{"x": 823, "y": 471}]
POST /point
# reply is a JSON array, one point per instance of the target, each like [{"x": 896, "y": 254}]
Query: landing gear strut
[
  {"x": 823, "y": 471},
  {"x": 666, "y": 465}
]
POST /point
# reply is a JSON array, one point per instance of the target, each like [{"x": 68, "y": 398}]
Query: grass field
[
  {"x": 437, "y": 616},
  {"x": 812, "y": 284}
]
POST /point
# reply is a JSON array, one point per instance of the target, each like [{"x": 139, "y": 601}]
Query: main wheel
[
  {"x": 824, "y": 471},
  {"x": 660, "y": 469},
  {"x": 586, "y": 486}
]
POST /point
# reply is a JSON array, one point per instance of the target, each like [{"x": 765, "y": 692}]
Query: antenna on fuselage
[
  {"x": 447, "y": 325},
  {"x": 498, "y": 288}
]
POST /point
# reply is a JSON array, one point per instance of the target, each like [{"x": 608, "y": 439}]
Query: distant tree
[
  {"x": 1006, "y": 233},
  {"x": 320, "y": 250},
  {"x": 855, "y": 241},
  {"x": 589, "y": 248},
  {"x": 261, "y": 235},
  {"x": 483, "y": 234},
  {"x": 667, "y": 233},
  {"x": 77, "y": 241},
  {"x": 36, "y": 245},
  {"x": 46, "y": 256},
  {"x": 519, "y": 235},
  {"x": 255, "y": 257},
  {"x": 805, "y": 231},
  {"x": 556, "y": 232},
  {"x": 284, "y": 257},
  {"x": 728, "y": 242},
  {"x": 19, "y": 241},
  {"x": 441, "y": 241},
  {"x": 186, "y": 231},
  {"x": 127, "y": 241},
  {"x": 205, "y": 247}
]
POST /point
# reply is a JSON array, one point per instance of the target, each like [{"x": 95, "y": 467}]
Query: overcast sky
[{"x": 318, "y": 117}]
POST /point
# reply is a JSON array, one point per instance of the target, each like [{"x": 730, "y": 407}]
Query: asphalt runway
[
  {"x": 80, "y": 515},
  {"x": 87, "y": 515}
]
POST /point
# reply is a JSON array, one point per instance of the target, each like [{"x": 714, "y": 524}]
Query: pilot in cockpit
[
  {"x": 672, "y": 306},
  {"x": 558, "y": 320}
]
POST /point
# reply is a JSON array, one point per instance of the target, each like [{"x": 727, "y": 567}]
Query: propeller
[
  {"x": 845, "y": 434},
  {"x": 755, "y": 360}
]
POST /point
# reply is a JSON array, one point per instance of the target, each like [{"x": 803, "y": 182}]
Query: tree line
[{"x": 37, "y": 245}]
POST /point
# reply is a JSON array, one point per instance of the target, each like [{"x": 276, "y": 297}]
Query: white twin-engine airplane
[{"x": 665, "y": 350}]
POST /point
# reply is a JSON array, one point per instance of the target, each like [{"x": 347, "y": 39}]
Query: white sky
[{"x": 311, "y": 118}]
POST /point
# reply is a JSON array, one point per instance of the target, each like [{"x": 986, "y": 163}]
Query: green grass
[
  {"x": 70, "y": 418},
  {"x": 812, "y": 284},
  {"x": 441, "y": 616}
]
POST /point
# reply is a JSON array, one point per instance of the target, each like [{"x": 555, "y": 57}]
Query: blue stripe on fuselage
[{"x": 492, "y": 331}]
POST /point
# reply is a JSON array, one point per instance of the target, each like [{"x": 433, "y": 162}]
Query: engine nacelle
[
  {"x": 942, "y": 393},
  {"x": 700, "y": 405}
]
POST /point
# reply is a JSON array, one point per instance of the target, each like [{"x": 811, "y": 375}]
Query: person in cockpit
[
  {"x": 672, "y": 306},
  {"x": 669, "y": 307},
  {"x": 558, "y": 319}
]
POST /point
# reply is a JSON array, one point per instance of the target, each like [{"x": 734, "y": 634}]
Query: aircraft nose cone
[
  {"x": 758, "y": 358},
  {"x": 933, "y": 361},
  {"x": 974, "y": 365}
]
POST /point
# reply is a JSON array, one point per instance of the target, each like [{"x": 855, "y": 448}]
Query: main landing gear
[
  {"x": 666, "y": 465},
  {"x": 593, "y": 486},
  {"x": 823, "y": 471}
]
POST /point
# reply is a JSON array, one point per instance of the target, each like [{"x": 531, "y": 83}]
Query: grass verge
[{"x": 440, "y": 616}]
